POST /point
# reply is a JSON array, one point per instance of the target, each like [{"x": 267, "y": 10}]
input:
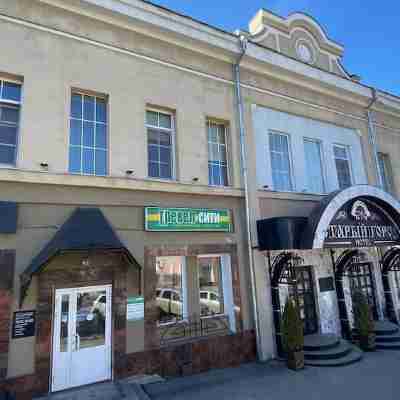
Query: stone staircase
[
  {"x": 387, "y": 335},
  {"x": 329, "y": 351}
]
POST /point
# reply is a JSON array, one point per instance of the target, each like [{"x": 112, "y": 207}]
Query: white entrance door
[{"x": 82, "y": 337}]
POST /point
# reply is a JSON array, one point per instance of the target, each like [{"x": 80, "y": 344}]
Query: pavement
[{"x": 376, "y": 377}]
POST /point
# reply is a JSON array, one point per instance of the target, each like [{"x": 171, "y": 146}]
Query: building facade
[
  {"x": 324, "y": 192},
  {"x": 125, "y": 237}
]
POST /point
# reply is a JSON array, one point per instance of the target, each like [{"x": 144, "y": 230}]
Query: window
[
  {"x": 169, "y": 289},
  {"x": 343, "y": 167},
  {"x": 217, "y": 154},
  {"x": 280, "y": 161},
  {"x": 385, "y": 171},
  {"x": 314, "y": 170},
  {"x": 210, "y": 284},
  {"x": 10, "y": 104},
  {"x": 88, "y": 135},
  {"x": 160, "y": 144}
]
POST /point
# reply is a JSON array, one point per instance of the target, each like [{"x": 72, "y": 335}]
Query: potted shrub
[
  {"x": 363, "y": 322},
  {"x": 293, "y": 336}
]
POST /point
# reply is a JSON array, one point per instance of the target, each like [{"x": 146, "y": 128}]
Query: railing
[{"x": 194, "y": 328}]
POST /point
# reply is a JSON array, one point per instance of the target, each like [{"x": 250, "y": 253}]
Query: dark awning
[
  {"x": 357, "y": 216},
  {"x": 85, "y": 229},
  {"x": 280, "y": 233}
]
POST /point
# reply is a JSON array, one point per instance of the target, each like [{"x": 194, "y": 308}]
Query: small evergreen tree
[{"x": 292, "y": 328}]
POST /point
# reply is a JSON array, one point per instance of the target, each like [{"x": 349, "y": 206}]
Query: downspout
[
  {"x": 372, "y": 137},
  {"x": 243, "y": 154}
]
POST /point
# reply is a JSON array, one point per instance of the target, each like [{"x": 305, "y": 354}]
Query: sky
[{"x": 369, "y": 30}]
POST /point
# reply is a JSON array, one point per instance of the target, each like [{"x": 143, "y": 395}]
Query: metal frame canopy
[
  {"x": 356, "y": 217},
  {"x": 85, "y": 229},
  {"x": 376, "y": 216}
]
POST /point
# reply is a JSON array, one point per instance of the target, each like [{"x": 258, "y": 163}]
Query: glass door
[{"x": 82, "y": 337}]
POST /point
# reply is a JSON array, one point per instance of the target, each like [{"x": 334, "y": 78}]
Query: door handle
[{"x": 77, "y": 342}]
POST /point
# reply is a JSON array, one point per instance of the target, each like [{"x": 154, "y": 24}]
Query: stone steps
[
  {"x": 355, "y": 355},
  {"x": 341, "y": 350},
  {"x": 387, "y": 335},
  {"x": 329, "y": 351}
]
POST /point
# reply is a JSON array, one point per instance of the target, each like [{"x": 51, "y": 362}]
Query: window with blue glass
[
  {"x": 217, "y": 154},
  {"x": 88, "y": 143},
  {"x": 10, "y": 104},
  {"x": 160, "y": 144}
]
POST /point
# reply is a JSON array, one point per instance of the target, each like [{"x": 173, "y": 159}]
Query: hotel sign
[
  {"x": 158, "y": 219},
  {"x": 362, "y": 223}
]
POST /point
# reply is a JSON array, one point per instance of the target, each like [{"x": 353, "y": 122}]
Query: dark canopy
[{"x": 85, "y": 229}]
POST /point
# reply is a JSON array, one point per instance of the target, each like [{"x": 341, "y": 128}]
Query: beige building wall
[{"x": 39, "y": 219}]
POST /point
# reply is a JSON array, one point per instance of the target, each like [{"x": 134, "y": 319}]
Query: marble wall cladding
[{"x": 326, "y": 302}]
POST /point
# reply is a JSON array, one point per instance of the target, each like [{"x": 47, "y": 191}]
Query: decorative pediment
[{"x": 298, "y": 36}]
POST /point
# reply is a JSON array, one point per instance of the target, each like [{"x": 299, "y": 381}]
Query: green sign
[
  {"x": 135, "y": 308},
  {"x": 187, "y": 220}
]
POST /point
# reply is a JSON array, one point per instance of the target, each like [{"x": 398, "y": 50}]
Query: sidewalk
[
  {"x": 127, "y": 389},
  {"x": 374, "y": 378}
]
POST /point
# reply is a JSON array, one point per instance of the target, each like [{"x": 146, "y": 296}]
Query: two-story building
[
  {"x": 140, "y": 148},
  {"x": 325, "y": 218},
  {"x": 123, "y": 242}
]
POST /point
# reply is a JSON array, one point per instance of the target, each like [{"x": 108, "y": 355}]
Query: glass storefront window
[
  {"x": 90, "y": 319},
  {"x": 169, "y": 295},
  {"x": 64, "y": 323},
  {"x": 210, "y": 286}
]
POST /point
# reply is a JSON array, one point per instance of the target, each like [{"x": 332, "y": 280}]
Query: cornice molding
[
  {"x": 16, "y": 175},
  {"x": 272, "y": 63}
]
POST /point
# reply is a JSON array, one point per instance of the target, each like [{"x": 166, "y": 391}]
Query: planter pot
[
  {"x": 295, "y": 360},
  {"x": 367, "y": 342}
]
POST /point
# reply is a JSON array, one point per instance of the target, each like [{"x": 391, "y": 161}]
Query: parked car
[
  {"x": 169, "y": 302},
  {"x": 210, "y": 303}
]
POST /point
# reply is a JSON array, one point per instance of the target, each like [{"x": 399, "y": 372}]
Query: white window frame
[
  {"x": 172, "y": 132},
  {"x": 226, "y": 130},
  {"x": 386, "y": 172},
  {"x": 227, "y": 289},
  {"x": 82, "y": 147},
  {"x": 19, "y": 105},
  {"x": 291, "y": 174},
  {"x": 323, "y": 167},
  {"x": 348, "y": 159}
]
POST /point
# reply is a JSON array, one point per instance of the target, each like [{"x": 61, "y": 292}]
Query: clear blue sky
[{"x": 369, "y": 30}]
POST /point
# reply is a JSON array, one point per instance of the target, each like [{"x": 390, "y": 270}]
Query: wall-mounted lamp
[
  {"x": 129, "y": 172},
  {"x": 195, "y": 179},
  {"x": 44, "y": 165},
  {"x": 86, "y": 262}
]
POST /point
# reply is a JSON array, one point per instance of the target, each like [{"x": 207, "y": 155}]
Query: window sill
[
  {"x": 268, "y": 193},
  {"x": 8, "y": 166},
  {"x": 214, "y": 316},
  {"x": 166, "y": 180}
]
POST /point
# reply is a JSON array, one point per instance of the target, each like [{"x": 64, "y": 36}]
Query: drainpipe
[
  {"x": 243, "y": 153},
  {"x": 372, "y": 137}
]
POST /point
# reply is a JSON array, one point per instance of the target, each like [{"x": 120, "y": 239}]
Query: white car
[
  {"x": 100, "y": 305},
  {"x": 210, "y": 302},
  {"x": 169, "y": 302}
]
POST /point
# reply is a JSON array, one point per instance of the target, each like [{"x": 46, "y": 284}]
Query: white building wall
[{"x": 299, "y": 128}]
